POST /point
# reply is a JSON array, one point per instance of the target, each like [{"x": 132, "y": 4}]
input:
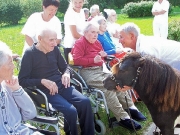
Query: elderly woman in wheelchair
[
  {"x": 44, "y": 67},
  {"x": 15, "y": 103}
]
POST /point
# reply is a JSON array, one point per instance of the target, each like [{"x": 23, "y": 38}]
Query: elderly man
[
  {"x": 88, "y": 52},
  {"x": 166, "y": 50},
  {"x": 43, "y": 66}
]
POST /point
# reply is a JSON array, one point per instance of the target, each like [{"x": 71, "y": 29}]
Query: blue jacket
[{"x": 107, "y": 43}]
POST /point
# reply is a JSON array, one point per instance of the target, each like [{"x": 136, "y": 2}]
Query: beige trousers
[{"x": 94, "y": 77}]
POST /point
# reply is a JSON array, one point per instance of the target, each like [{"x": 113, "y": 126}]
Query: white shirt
[
  {"x": 73, "y": 18},
  {"x": 163, "y": 18},
  {"x": 35, "y": 22},
  {"x": 163, "y": 49}
]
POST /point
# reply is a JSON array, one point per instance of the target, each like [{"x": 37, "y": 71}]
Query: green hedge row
[
  {"x": 139, "y": 9},
  {"x": 174, "y": 30}
]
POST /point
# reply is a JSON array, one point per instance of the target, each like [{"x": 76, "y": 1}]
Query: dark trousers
[{"x": 72, "y": 103}]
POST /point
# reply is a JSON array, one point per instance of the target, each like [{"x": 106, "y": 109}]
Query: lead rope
[{"x": 130, "y": 115}]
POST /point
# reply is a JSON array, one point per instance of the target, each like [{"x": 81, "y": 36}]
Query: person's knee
[
  {"x": 71, "y": 114},
  {"x": 85, "y": 102}
]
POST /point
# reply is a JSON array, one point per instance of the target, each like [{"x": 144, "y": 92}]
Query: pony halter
[
  {"x": 136, "y": 78},
  {"x": 133, "y": 80}
]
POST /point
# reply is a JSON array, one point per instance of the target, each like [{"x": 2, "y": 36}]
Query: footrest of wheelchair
[{"x": 45, "y": 119}]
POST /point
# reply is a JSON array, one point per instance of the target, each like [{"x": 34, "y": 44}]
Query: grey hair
[
  {"x": 4, "y": 53},
  {"x": 93, "y": 8},
  {"x": 89, "y": 24},
  {"x": 130, "y": 27},
  {"x": 99, "y": 19},
  {"x": 86, "y": 10},
  {"x": 43, "y": 31}
]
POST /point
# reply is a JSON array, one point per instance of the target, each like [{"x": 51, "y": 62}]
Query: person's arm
[
  {"x": 159, "y": 12},
  {"x": 58, "y": 41},
  {"x": 24, "y": 76},
  {"x": 74, "y": 32},
  {"x": 107, "y": 43},
  {"x": 79, "y": 57},
  {"x": 29, "y": 29},
  {"x": 29, "y": 40},
  {"x": 22, "y": 99}
]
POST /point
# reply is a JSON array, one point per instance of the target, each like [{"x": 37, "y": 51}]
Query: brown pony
[{"x": 157, "y": 84}]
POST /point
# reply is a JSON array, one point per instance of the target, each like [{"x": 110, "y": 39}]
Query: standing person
[
  {"x": 88, "y": 53},
  {"x": 94, "y": 11},
  {"x": 38, "y": 20},
  {"x": 163, "y": 49},
  {"x": 160, "y": 11},
  {"x": 74, "y": 21},
  {"x": 43, "y": 66}
]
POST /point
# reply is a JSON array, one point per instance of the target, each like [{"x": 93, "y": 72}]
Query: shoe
[
  {"x": 127, "y": 123},
  {"x": 136, "y": 115}
]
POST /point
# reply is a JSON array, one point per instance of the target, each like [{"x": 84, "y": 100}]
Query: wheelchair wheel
[{"x": 100, "y": 128}]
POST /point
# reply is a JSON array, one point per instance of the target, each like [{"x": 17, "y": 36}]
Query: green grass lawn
[{"x": 12, "y": 36}]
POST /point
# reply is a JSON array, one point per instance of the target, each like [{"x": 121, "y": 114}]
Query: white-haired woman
[
  {"x": 14, "y": 108},
  {"x": 94, "y": 11},
  {"x": 112, "y": 27}
]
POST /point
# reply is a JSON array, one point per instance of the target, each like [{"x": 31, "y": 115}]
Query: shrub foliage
[
  {"x": 30, "y": 6},
  {"x": 139, "y": 9},
  {"x": 10, "y": 11},
  {"x": 174, "y": 30}
]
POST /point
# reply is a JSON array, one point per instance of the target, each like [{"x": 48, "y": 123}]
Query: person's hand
[
  {"x": 125, "y": 88},
  {"x": 129, "y": 50},
  {"x": 14, "y": 56},
  {"x": 97, "y": 59},
  {"x": 102, "y": 53},
  {"x": 13, "y": 83},
  {"x": 119, "y": 50},
  {"x": 66, "y": 79},
  {"x": 52, "y": 87}
]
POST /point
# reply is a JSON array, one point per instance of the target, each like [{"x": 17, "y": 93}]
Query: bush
[
  {"x": 30, "y": 6},
  {"x": 174, "y": 30},
  {"x": 140, "y": 9},
  {"x": 10, "y": 11}
]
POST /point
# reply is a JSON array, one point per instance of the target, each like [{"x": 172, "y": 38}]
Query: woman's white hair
[
  {"x": 89, "y": 24},
  {"x": 130, "y": 28},
  {"x": 94, "y": 8},
  {"x": 4, "y": 53},
  {"x": 99, "y": 19}
]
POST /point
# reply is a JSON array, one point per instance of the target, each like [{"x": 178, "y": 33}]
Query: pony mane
[{"x": 159, "y": 80}]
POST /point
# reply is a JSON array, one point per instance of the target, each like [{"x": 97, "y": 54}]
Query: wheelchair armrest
[
  {"x": 45, "y": 119},
  {"x": 38, "y": 97},
  {"x": 109, "y": 57},
  {"x": 76, "y": 66}
]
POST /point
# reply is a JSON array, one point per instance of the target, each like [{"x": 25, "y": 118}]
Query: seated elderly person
[
  {"x": 43, "y": 66},
  {"x": 94, "y": 11},
  {"x": 112, "y": 27},
  {"x": 105, "y": 39},
  {"x": 14, "y": 108},
  {"x": 88, "y": 52}
]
